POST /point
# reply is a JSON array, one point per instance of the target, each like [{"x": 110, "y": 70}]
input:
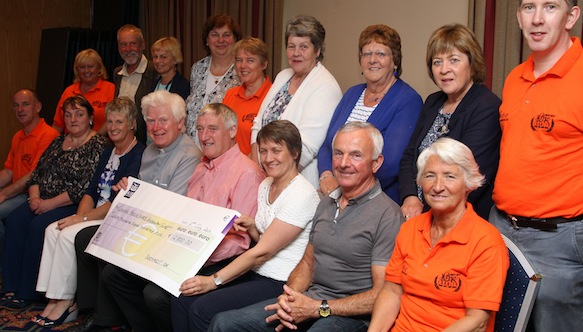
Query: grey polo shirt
[{"x": 345, "y": 248}]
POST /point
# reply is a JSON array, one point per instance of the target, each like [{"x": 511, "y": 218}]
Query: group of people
[{"x": 362, "y": 211}]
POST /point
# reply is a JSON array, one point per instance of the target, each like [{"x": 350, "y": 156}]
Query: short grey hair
[
  {"x": 307, "y": 26},
  {"x": 453, "y": 152},
  {"x": 374, "y": 133},
  {"x": 225, "y": 112},
  {"x": 162, "y": 98}
]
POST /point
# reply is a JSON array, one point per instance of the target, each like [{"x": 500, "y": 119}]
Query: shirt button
[
  {"x": 425, "y": 265},
  {"x": 527, "y": 101},
  {"x": 533, "y": 85}
]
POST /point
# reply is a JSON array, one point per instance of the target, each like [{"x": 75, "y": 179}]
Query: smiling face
[
  {"x": 545, "y": 25},
  {"x": 118, "y": 127},
  {"x": 161, "y": 125},
  {"x": 249, "y": 66},
  {"x": 163, "y": 61},
  {"x": 277, "y": 159},
  {"x": 214, "y": 137},
  {"x": 452, "y": 73},
  {"x": 26, "y": 108},
  {"x": 301, "y": 54},
  {"x": 77, "y": 120},
  {"x": 444, "y": 186},
  {"x": 88, "y": 72},
  {"x": 129, "y": 46},
  {"x": 220, "y": 41},
  {"x": 352, "y": 161},
  {"x": 376, "y": 62}
]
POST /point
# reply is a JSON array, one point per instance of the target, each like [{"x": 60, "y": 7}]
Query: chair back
[{"x": 520, "y": 290}]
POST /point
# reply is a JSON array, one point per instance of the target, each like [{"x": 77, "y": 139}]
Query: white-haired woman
[{"x": 448, "y": 261}]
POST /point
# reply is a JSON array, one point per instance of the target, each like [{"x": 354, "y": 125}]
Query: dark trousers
[
  {"x": 23, "y": 245},
  {"x": 194, "y": 313},
  {"x": 91, "y": 292},
  {"x": 145, "y": 305}
]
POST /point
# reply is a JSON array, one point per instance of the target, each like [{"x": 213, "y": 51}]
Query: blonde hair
[
  {"x": 89, "y": 56},
  {"x": 169, "y": 44}
]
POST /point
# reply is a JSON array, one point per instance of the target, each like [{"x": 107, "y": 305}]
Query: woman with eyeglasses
[
  {"x": 464, "y": 109},
  {"x": 384, "y": 100}
]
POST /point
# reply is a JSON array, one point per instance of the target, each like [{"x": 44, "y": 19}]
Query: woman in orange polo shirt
[
  {"x": 449, "y": 265},
  {"x": 250, "y": 63},
  {"x": 90, "y": 82}
]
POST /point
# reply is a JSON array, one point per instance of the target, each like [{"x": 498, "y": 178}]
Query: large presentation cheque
[{"x": 159, "y": 235}]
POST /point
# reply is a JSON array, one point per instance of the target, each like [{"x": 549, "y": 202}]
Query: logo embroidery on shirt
[
  {"x": 543, "y": 122},
  {"x": 451, "y": 281}
]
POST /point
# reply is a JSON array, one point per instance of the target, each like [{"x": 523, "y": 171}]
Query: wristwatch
[
  {"x": 217, "y": 279},
  {"x": 324, "y": 310}
]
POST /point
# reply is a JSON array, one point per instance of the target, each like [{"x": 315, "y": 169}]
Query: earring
[
  {"x": 90, "y": 123},
  {"x": 395, "y": 72}
]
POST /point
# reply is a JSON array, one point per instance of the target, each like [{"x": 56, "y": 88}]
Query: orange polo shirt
[
  {"x": 465, "y": 269},
  {"x": 27, "y": 149},
  {"x": 246, "y": 109},
  {"x": 541, "y": 152},
  {"x": 101, "y": 94}
]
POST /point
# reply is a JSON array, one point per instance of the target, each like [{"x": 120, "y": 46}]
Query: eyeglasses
[{"x": 379, "y": 54}]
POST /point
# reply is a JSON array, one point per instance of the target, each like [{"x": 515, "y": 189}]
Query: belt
[{"x": 545, "y": 224}]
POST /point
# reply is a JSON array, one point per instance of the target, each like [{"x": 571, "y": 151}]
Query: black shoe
[{"x": 12, "y": 303}]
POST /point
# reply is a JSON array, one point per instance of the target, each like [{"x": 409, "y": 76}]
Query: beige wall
[
  {"x": 21, "y": 24},
  {"x": 415, "y": 20}
]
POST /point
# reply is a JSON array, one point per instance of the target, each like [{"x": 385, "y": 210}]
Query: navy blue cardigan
[
  {"x": 129, "y": 165},
  {"x": 475, "y": 123}
]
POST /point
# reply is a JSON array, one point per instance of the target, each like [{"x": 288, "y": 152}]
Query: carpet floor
[{"x": 19, "y": 320}]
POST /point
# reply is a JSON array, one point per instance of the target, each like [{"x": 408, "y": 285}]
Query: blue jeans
[
  {"x": 558, "y": 256},
  {"x": 252, "y": 318},
  {"x": 5, "y": 208}
]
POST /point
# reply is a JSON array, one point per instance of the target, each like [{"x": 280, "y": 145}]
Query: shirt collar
[
  {"x": 140, "y": 70},
  {"x": 172, "y": 146},
  {"x": 460, "y": 233},
  {"x": 223, "y": 159},
  {"x": 561, "y": 68}
]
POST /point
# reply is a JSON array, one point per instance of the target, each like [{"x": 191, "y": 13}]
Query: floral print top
[
  {"x": 198, "y": 97},
  {"x": 68, "y": 171}
]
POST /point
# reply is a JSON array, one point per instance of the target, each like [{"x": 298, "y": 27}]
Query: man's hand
[{"x": 292, "y": 308}]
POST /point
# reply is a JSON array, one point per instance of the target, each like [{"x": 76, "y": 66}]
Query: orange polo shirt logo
[
  {"x": 448, "y": 281},
  {"x": 543, "y": 121}
]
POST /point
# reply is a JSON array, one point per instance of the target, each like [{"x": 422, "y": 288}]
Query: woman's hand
[
  {"x": 121, "y": 185},
  {"x": 328, "y": 183},
  {"x": 411, "y": 207},
  {"x": 69, "y": 221},
  {"x": 197, "y": 285},
  {"x": 247, "y": 224},
  {"x": 34, "y": 203},
  {"x": 244, "y": 224},
  {"x": 39, "y": 205}
]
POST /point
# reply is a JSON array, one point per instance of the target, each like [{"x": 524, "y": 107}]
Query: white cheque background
[{"x": 159, "y": 235}]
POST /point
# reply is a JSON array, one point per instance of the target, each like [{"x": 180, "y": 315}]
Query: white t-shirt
[{"x": 296, "y": 206}]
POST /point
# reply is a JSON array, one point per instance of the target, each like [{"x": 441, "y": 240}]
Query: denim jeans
[
  {"x": 558, "y": 256},
  {"x": 252, "y": 318}
]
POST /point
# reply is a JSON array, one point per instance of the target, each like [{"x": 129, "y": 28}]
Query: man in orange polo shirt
[
  {"x": 538, "y": 190},
  {"x": 27, "y": 146}
]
